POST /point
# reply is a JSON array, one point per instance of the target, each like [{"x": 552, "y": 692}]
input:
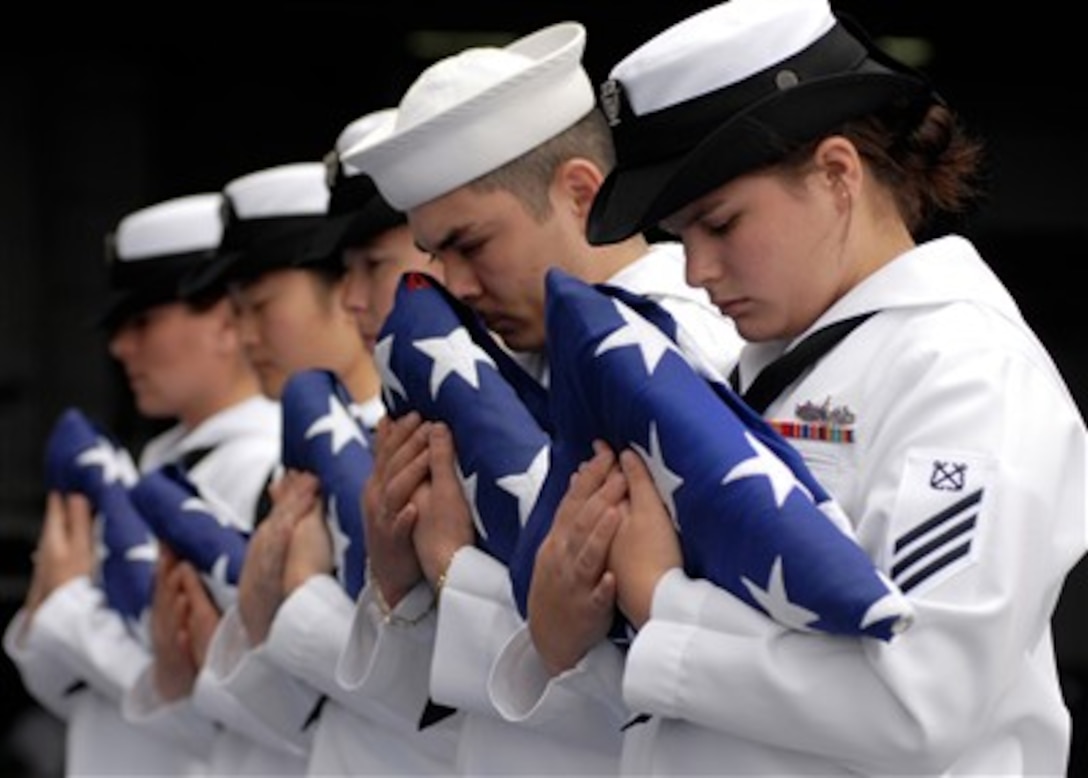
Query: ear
[
  {"x": 226, "y": 324},
  {"x": 840, "y": 164},
  {"x": 578, "y": 180}
]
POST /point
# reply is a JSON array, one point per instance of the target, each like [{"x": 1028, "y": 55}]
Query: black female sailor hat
[
  {"x": 270, "y": 219},
  {"x": 357, "y": 211},
  {"x": 727, "y": 91},
  {"x": 152, "y": 251}
]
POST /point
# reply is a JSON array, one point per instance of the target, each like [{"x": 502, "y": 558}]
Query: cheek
[
  {"x": 273, "y": 331},
  {"x": 384, "y": 294},
  {"x": 765, "y": 259},
  {"x": 353, "y": 289}
]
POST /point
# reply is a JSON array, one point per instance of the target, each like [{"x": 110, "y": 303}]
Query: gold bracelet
[
  {"x": 388, "y": 616},
  {"x": 400, "y": 621},
  {"x": 440, "y": 582}
]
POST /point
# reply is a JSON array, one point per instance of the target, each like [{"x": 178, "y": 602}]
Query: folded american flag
[
  {"x": 82, "y": 458},
  {"x": 437, "y": 358},
  {"x": 323, "y": 434},
  {"x": 750, "y": 515},
  {"x": 195, "y": 528}
]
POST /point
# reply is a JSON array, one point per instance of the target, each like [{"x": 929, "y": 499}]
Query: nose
[
  {"x": 700, "y": 269},
  {"x": 121, "y": 342},
  {"x": 355, "y": 292},
  {"x": 460, "y": 278}
]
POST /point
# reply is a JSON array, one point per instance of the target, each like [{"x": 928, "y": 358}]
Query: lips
[{"x": 730, "y": 307}]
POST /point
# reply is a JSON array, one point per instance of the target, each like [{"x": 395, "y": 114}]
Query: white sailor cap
[
  {"x": 474, "y": 111},
  {"x": 726, "y": 91},
  {"x": 271, "y": 218},
  {"x": 152, "y": 251},
  {"x": 357, "y": 211}
]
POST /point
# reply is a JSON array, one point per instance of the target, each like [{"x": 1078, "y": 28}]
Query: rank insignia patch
[{"x": 939, "y": 518}]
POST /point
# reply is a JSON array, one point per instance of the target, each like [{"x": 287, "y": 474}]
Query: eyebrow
[{"x": 451, "y": 238}]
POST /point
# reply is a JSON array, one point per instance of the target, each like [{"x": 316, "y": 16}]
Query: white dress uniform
[
  {"x": 289, "y": 685},
  {"x": 478, "y": 617},
  {"x": 210, "y": 723},
  {"x": 963, "y": 472},
  {"x": 76, "y": 641}
]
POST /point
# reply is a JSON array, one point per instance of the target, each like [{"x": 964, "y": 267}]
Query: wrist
[
  {"x": 442, "y": 576},
  {"x": 388, "y": 605}
]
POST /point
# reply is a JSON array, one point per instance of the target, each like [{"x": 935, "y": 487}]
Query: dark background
[{"x": 105, "y": 108}]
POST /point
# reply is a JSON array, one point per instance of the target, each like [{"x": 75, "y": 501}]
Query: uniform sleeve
[
  {"x": 309, "y": 632},
  {"x": 75, "y": 626},
  {"x": 175, "y": 720},
  {"x": 385, "y": 673},
  {"x": 476, "y": 616},
  {"x": 385, "y": 666},
  {"x": 964, "y": 498},
  {"x": 584, "y": 703},
  {"x": 44, "y": 674},
  {"x": 242, "y": 688}
]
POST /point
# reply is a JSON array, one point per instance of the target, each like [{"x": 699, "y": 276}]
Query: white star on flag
[
  {"x": 142, "y": 552},
  {"x": 526, "y": 486},
  {"x": 197, "y": 505},
  {"x": 775, "y": 599},
  {"x": 764, "y": 463},
  {"x": 666, "y": 480},
  {"x": 115, "y": 467},
  {"x": 468, "y": 485},
  {"x": 339, "y": 424},
  {"x": 217, "y": 579},
  {"x": 638, "y": 332},
  {"x": 340, "y": 541},
  {"x": 391, "y": 385},
  {"x": 456, "y": 353}
]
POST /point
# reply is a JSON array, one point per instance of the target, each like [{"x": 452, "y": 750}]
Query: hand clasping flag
[
  {"x": 82, "y": 458},
  {"x": 323, "y": 435},
  {"x": 437, "y": 358},
  {"x": 194, "y": 528},
  {"x": 750, "y": 516}
]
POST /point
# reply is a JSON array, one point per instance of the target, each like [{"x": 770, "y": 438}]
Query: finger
[
  {"x": 167, "y": 558},
  {"x": 410, "y": 447},
  {"x": 276, "y": 486},
  {"x": 298, "y": 495},
  {"x": 404, "y": 482},
  {"x": 53, "y": 522},
  {"x": 399, "y": 433},
  {"x": 442, "y": 460},
  {"x": 604, "y": 593},
  {"x": 637, "y": 475},
  {"x": 303, "y": 482},
  {"x": 601, "y": 446},
  {"x": 399, "y": 430},
  {"x": 598, "y": 485},
  {"x": 80, "y": 521},
  {"x": 592, "y": 559},
  {"x": 405, "y": 520},
  {"x": 178, "y": 574},
  {"x": 592, "y": 473}
]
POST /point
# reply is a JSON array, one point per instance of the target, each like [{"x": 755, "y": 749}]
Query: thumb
[
  {"x": 80, "y": 524},
  {"x": 639, "y": 480},
  {"x": 54, "y": 522}
]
